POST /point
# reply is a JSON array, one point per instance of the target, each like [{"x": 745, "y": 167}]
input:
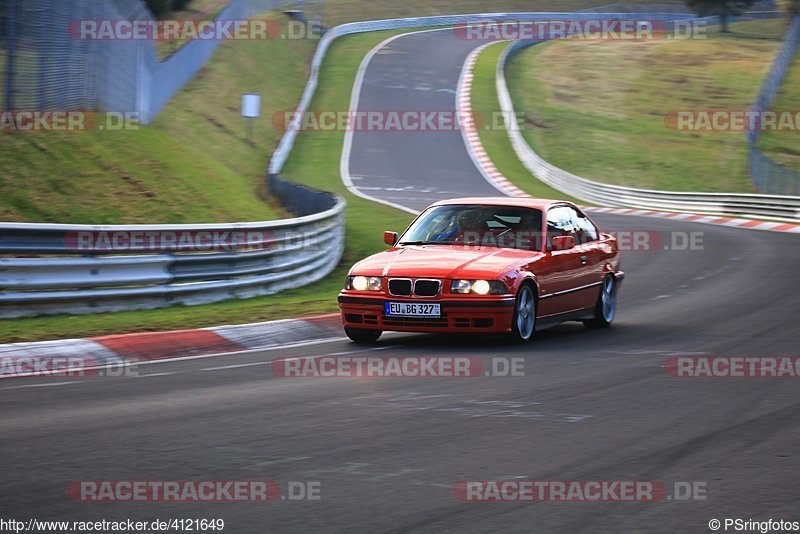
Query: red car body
[{"x": 567, "y": 282}]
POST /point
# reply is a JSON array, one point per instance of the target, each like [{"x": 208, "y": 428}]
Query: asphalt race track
[
  {"x": 592, "y": 405},
  {"x": 417, "y": 72}
]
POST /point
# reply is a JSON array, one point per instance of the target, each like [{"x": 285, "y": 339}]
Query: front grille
[
  {"x": 400, "y": 287},
  {"x": 404, "y": 287},
  {"x": 426, "y": 322},
  {"x": 427, "y": 288}
]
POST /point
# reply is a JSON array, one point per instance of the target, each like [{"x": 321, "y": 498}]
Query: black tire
[
  {"x": 363, "y": 336},
  {"x": 523, "y": 322},
  {"x": 606, "y": 308}
]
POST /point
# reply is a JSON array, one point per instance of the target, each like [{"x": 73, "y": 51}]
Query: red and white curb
[
  {"x": 122, "y": 349},
  {"x": 495, "y": 177},
  {"x": 469, "y": 130},
  {"x": 704, "y": 219}
]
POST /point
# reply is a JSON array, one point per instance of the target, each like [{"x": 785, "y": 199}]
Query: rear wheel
[
  {"x": 524, "y": 321},
  {"x": 606, "y": 308},
  {"x": 363, "y": 336}
]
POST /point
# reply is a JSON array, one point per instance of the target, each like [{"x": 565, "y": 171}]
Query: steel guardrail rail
[
  {"x": 66, "y": 278},
  {"x": 775, "y": 207}
]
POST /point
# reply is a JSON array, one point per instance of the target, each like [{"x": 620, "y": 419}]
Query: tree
[
  {"x": 159, "y": 8},
  {"x": 724, "y": 9}
]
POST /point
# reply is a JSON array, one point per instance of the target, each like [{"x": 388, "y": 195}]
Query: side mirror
[
  {"x": 563, "y": 242},
  {"x": 390, "y": 238}
]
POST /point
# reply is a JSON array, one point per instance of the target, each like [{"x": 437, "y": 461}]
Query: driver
[{"x": 466, "y": 228}]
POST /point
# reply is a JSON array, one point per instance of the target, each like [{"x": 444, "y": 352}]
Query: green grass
[
  {"x": 314, "y": 161},
  {"x": 196, "y": 10},
  {"x": 597, "y": 108},
  {"x": 784, "y": 147},
  {"x": 341, "y": 11},
  {"x": 192, "y": 165},
  {"x": 494, "y": 136}
]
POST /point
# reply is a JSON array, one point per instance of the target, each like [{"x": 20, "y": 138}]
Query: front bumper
[
  {"x": 619, "y": 276},
  {"x": 480, "y": 315}
]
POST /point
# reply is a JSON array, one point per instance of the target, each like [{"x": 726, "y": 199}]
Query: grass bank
[
  {"x": 193, "y": 164},
  {"x": 597, "y": 108},
  {"x": 315, "y": 161}
]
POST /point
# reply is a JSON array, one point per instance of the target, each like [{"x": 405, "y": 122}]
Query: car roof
[{"x": 538, "y": 203}]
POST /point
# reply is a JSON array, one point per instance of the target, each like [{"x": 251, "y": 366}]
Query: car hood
[{"x": 443, "y": 261}]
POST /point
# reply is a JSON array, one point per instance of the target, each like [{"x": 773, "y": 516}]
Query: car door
[
  {"x": 593, "y": 256},
  {"x": 563, "y": 271}
]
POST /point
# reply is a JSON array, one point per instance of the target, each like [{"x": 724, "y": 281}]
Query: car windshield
[{"x": 477, "y": 225}]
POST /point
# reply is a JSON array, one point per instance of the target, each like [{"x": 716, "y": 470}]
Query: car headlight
[
  {"x": 479, "y": 287},
  {"x": 363, "y": 283}
]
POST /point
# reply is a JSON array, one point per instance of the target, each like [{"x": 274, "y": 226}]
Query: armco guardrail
[
  {"x": 267, "y": 257},
  {"x": 782, "y": 208}
]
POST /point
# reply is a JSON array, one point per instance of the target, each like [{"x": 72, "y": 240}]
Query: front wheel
[
  {"x": 524, "y": 321},
  {"x": 606, "y": 308},
  {"x": 363, "y": 336}
]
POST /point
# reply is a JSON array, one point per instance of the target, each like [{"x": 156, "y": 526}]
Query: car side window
[
  {"x": 560, "y": 223},
  {"x": 586, "y": 230}
]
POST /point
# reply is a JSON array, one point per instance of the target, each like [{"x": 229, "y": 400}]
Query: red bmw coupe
[{"x": 486, "y": 265}]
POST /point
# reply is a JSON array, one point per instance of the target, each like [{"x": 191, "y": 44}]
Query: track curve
[
  {"x": 412, "y": 169},
  {"x": 592, "y": 405}
]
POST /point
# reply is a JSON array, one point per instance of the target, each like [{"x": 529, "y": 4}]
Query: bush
[{"x": 178, "y": 5}]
